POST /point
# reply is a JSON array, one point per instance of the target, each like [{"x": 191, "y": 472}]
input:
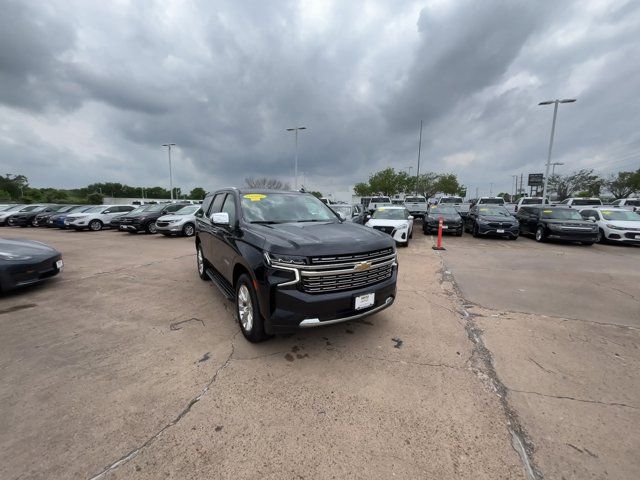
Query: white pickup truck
[
  {"x": 580, "y": 202},
  {"x": 632, "y": 204},
  {"x": 530, "y": 201},
  {"x": 417, "y": 206}
]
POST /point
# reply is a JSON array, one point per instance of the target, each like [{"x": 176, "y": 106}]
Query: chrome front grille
[{"x": 347, "y": 272}]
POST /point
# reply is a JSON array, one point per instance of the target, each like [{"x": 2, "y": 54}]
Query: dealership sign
[{"x": 536, "y": 179}]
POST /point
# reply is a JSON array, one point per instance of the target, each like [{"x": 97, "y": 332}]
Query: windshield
[
  {"x": 190, "y": 210},
  {"x": 451, "y": 200},
  {"x": 13, "y": 208},
  {"x": 343, "y": 209},
  {"x": 284, "y": 207},
  {"x": 33, "y": 208},
  {"x": 531, "y": 201},
  {"x": 380, "y": 200},
  {"x": 443, "y": 210},
  {"x": 95, "y": 209},
  {"x": 390, "y": 214},
  {"x": 154, "y": 208},
  {"x": 587, "y": 201},
  {"x": 632, "y": 203},
  {"x": 67, "y": 208},
  {"x": 624, "y": 215},
  {"x": 416, "y": 200},
  {"x": 495, "y": 201},
  {"x": 561, "y": 214},
  {"x": 494, "y": 211}
]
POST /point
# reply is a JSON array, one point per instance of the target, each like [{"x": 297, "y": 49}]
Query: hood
[
  {"x": 445, "y": 216},
  {"x": 310, "y": 239},
  {"x": 167, "y": 218},
  {"x": 498, "y": 218},
  {"x": 25, "y": 247}
]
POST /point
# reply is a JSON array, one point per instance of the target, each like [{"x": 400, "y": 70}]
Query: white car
[
  {"x": 394, "y": 220},
  {"x": 377, "y": 202},
  {"x": 615, "y": 224},
  {"x": 417, "y": 206},
  {"x": 182, "y": 222},
  {"x": 97, "y": 217},
  {"x": 632, "y": 204}
]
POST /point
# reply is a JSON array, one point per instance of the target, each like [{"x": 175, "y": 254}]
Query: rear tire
[
  {"x": 540, "y": 236},
  {"x": 95, "y": 225},
  {"x": 601, "y": 236},
  {"x": 475, "y": 231},
  {"x": 248, "y": 314}
]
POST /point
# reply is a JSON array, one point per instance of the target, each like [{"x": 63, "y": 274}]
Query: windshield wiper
[
  {"x": 265, "y": 222},
  {"x": 313, "y": 220}
]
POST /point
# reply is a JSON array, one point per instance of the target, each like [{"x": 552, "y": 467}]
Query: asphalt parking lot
[{"x": 129, "y": 366}]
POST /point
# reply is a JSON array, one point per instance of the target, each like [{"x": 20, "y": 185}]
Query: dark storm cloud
[{"x": 89, "y": 90}]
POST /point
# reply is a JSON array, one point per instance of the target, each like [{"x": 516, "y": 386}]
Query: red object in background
[{"x": 439, "y": 246}]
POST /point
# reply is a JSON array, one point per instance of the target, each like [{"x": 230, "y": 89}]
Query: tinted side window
[
  {"x": 126, "y": 208},
  {"x": 206, "y": 203},
  {"x": 217, "y": 204},
  {"x": 230, "y": 208}
]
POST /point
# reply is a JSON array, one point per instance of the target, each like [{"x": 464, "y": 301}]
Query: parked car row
[{"x": 165, "y": 218}]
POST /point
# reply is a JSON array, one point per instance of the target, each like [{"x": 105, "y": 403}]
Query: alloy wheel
[
  {"x": 200, "y": 261},
  {"x": 245, "y": 308}
]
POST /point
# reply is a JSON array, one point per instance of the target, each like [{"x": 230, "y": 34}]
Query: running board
[{"x": 221, "y": 283}]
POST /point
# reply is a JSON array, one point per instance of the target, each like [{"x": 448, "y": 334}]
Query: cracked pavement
[{"x": 128, "y": 366}]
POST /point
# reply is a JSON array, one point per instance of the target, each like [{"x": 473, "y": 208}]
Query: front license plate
[
  {"x": 59, "y": 264},
  {"x": 500, "y": 230},
  {"x": 444, "y": 227},
  {"x": 364, "y": 301},
  {"x": 638, "y": 237}
]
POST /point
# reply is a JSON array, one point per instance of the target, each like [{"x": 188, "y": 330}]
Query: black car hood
[
  {"x": 26, "y": 247},
  {"x": 445, "y": 216},
  {"x": 321, "y": 238},
  {"x": 497, "y": 218}
]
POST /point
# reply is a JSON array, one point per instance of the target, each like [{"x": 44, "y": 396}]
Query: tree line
[
  {"x": 389, "y": 182},
  {"x": 16, "y": 188}
]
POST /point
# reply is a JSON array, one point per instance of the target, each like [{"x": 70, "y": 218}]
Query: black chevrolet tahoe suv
[{"x": 289, "y": 262}]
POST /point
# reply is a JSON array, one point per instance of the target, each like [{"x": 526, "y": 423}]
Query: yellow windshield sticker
[
  {"x": 547, "y": 211},
  {"x": 606, "y": 212},
  {"x": 483, "y": 209},
  {"x": 382, "y": 209},
  {"x": 255, "y": 197}
]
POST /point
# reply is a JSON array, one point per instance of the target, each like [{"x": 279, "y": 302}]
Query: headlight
[
  {"x": 482, "y": 221},
  {"x": 77, "y": 218},
  {"x": 286, "y": 260},
  {"x": 553, "y": 226},
  {"x": 402, "y": 227},
  {"x": 13, "y": 256},
  {"x": 614, "y": 227}
]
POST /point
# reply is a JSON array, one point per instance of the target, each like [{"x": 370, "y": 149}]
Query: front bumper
[
  {"x": 572, "y": 236},
  {"x": 512, "y": 232},
  {"x": 170, "y": 228},
  {"x": 294, "y": 309},
  {"x": 446, "y": 227},
  {"x": 20, "y": 274},
  {"x": 130, "y": 227},
  {"x": 18, "y": 222},
  {"x": 622, "y": 236}
]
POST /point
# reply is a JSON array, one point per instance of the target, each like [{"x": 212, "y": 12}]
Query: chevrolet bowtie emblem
[{"x": 362, "y": 266}]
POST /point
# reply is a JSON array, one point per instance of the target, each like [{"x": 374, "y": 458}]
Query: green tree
[
  {"x": 4, "y": 196},
  {"x": 427, "y": 184},
  {"x": 94, "y": 198},
  {"x": 448, "y": 183},
  {"x": 385, "y": 182},
  {"x": 197, "y": 193},
  {"x": 566, "y": 186},
  {"x": 15, "y": 185},
  {"x": 316, "y": 194},
  {"x": 623, "y": 184},
  {"x": 362, "y": 189}
]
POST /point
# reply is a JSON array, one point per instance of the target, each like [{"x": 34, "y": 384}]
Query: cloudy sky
[{"x": 90, "y": 90}]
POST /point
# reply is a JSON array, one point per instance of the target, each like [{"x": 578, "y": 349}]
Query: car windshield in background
[
  {"x": 155, "y": 208},
  {"x": 95, "y": 209},
  {"x": 443, "y": 210},
  {"x": 190, "y": 210},
  {"x": 494, "y": 211},
  {"x": 532, "y": 201},
  {"x": 13, "y": 208},
  {"x": 415, "y": 200},
  {"x": 390, "y": 214},
  {"x": 67, "y": 208},
  {"x": 623, "y": 215},
  {"x": 380, "y": 200},
  {"x": 633, "y": 203},
  {"x": 496, "y": 201},
  {"x": 561, "y": 214},
  {"x": 451, "y": 200},
  {"x": 343, "y": 209},
  {"x": 587, "y": 202},
  {"x": 284, "y": 208},
  {"x": 137, "y": 210}
]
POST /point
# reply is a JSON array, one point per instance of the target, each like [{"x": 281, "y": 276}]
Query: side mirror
[
  {"x": 107, "y": 211},
  {"x": 592, "y": 218},
  {"x": 220, "y": 218},
  {"x": 342, "y": 217},
  {"x": 410, "y": 217},
  {"x": 367, "y": 216}
]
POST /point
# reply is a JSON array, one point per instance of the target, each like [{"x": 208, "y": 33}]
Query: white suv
[
  {"x": 97, "y": 217},
  {"x": 614, "y": 224}
]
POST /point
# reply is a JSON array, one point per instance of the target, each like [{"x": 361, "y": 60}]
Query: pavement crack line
[
  {"x": 583, "y": 400},
  {"x": 483, "y": 367},
  {"x": 412, "y": 362},
  {"x": 134, "y": 453}
]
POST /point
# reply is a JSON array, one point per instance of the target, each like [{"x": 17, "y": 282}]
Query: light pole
[
  {"x": 515, "y": 178},
  {"x": 169, "y": 145},
  {"x": 553, "y": 131},
  {"x": 491, "y": 189},
  {"x": 553, "y": 167},
  {"x": 295, "y": 164}
]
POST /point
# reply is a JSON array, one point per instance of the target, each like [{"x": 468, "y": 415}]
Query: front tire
[
  {"x": 249, "y": 317},
  {"x": 601, "y": 236},
  {"x": 201, "y": 263},
  {"x": 188, "y": 230},
  {"x": 475, "y": 232},
  {"x": 540, "y": 236},
  {"x": 95, "y": 225},
  {"x": 151, "y": 228}
]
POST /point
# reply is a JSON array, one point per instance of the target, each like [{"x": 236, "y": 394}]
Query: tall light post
[
  {"x": 169, "y": 145},
  {"x": 553, "y": 131},
  {"x": 515, "y": 178},
  {"x": 553, "y": 167},
  {"x": 295, "y": 163}
]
